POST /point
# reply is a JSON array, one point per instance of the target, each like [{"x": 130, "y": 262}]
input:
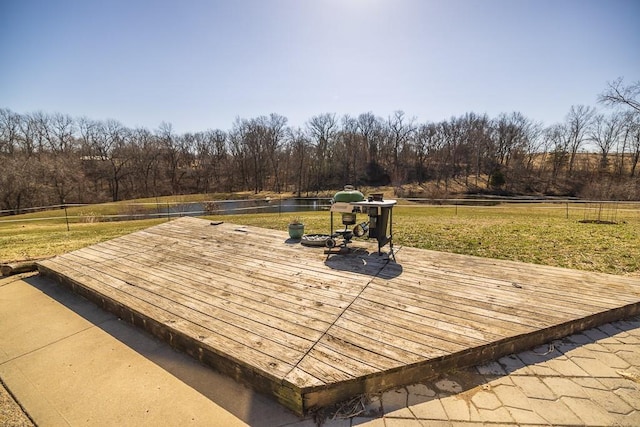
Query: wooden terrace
[{"x": 313, "y": 330}]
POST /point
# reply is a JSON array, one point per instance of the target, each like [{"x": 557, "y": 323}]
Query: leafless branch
[{"x": 619, "y": 94}]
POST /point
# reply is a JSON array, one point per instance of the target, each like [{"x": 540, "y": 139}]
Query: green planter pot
[{"x": 296, "y": 231}]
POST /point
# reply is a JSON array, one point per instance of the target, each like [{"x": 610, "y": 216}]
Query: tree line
[{"x": 54, "y": 158}]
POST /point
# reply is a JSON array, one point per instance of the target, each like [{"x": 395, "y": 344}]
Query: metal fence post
[{"x": 66, "y": 216}]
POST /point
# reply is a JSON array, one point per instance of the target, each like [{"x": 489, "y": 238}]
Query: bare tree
[
  {"x": 323, "y": 130},
  {"x": 9, "y": 131},
  {"x": 369, "y": 127},
  {"x": 175, "y": 154},
  {"x": 558, "y": 139},
  {"x": 276, "y": 130},
  {"x": 516, "y": 140},
  {"x": 17, "y": 171},
  {"x": 33, "y": 129},
  {"x": 478, "y": 146},
  {"x": 617, "y": 94},
  {"x": 213, "y": 155},
  {"x": 348, "y": 153},
  {"x": 372, "y": 130},
  {"x": 400, "y": 130},
  {"x": 510, "y": 134},
  {"x": 452, "y": 133},
  {"x": 238, "y": 150},
  {"x": 604, "y": 133},
  {"x": 299, "y": 146},
  {"x": 424, "y": 146},
  {"x": 49, "y": 158},
  {"x": 633, "y": 126},
  {"x": 62, "y": 163},
  {"x": 255, "y": 141},
  {"x": 578, "y": 120},
  {"x": 18, "y": 186},
  {"x": 40, "y": 123},
  {"x": 61, "y": 138},
  {"x": 107, "y": 157},
  {"x": 146, "y": 162},
  {"x": 533, "y": 144},
  {"x": 250, "y": 140}
]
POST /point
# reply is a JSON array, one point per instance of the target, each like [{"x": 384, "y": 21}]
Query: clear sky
[{"x": 200, "y": 64}]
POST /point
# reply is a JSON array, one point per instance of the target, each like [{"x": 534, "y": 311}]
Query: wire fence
[
  {"x": 589, "y": 210},
  {"x": 119, "y": 211},
  {"x": 584, "y": 210}
]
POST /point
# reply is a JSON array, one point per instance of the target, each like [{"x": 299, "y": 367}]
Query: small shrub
[{"x": 497, "y": 179}]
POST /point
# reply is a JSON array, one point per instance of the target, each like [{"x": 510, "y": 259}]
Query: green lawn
[
  {"x": 541, "y": 234},
  {"x": 19, "y": 241}
]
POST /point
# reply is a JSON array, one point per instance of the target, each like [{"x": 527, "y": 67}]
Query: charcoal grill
[{"x": 379, "y": 225}]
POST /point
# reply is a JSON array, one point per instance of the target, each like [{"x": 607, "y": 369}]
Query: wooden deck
[{"x": 312, "y": 330}]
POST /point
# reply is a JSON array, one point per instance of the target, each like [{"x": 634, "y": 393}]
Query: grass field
[{"x": 545, "y": 234}]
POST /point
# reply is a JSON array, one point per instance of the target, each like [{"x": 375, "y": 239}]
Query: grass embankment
[{"x": 541, "y": 234}]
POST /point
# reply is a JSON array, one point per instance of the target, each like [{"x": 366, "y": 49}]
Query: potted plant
[{"x": 296, "y": 228}]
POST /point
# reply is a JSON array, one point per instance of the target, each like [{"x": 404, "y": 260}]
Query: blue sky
[{"x": 200, "y": 64}]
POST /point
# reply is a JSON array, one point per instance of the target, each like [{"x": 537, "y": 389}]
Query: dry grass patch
[{"x": 24, "y": 241}]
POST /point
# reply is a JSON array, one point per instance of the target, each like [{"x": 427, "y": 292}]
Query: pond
[{"x": 234, "y": 207}]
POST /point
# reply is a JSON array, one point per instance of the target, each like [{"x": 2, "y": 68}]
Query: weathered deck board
[{"x": 312, "y": 330}]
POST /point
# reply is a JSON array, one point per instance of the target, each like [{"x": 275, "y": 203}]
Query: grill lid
[{"x": 348, "y": 195}]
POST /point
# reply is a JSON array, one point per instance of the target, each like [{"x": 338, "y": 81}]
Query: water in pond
[{"x": 232, "y": 207}]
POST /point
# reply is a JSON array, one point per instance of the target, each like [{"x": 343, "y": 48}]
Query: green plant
[{"x": 497, "y": 179}]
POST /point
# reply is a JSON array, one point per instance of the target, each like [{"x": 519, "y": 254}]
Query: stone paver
[
  {"x": 595, "y": 367},
  {"x": 430, "y": 410},
  {"x": 526, "y": 417},
  {"x": 533, "y": 387},
  {"x": 588, "y": 411},
  {"x": 395, "y": 422},
  {"x": 631, "y": 420},
  {"x": 491, "y": 368},
  {"x": 458, "y": 408},
  {"x": 564, "y": 387},
  {"x": 612, "y": 329},
  {"x": 580, "y": 338},
  {"x": 394, "y": 404},
  {"x": 419, "y": 393},
  {"x": 367, "y": 422},
  {"x": 512, "y": 397},
  {"x": 555, "y": 412},
  {"x": 486, "y": 400},
  {"x": 596, "y": 334},
  {"x": 612, "y": 360},
  {"x": 585, "y": 379},
  {"x": 512, "y": 364},
  {"x": 448, "y": 386},
  {"x": 631, "y": 396},
  {"x": 562, "y": 365},
  {"x": 498, "y": 415}
]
